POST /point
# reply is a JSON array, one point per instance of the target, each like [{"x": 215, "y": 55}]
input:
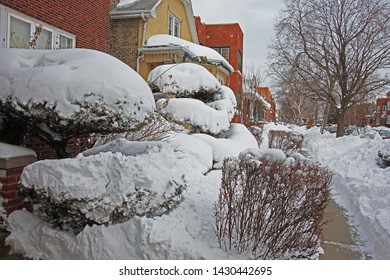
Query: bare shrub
[
  {"x": 156, "y": 130},
  {"x": 257, "y": 132},
  {"x": 288, "y": 142},
  {"x": 270, "y": 209}
]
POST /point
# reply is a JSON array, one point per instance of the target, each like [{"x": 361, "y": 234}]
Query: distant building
[
  {"x": 383, "y": 111},
  {"x": 269, "y": 114},
  {"x": 228, "y": 40}
]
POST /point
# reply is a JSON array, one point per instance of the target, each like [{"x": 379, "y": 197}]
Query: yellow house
[{"x": 149, "y": 33}]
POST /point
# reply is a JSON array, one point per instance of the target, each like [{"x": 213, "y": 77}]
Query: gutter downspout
[{"x": 143, "y": 39}]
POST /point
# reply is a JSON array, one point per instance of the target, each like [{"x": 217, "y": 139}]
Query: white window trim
[
  {"x": 5, "y": 18},
  {"x": 171, "y": 25},
  {"x": 220, "y": 79}
]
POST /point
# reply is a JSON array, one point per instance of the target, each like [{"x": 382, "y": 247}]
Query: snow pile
[
  {"x": 360, "y": 184},
  {"x": 183, "y": 79},
  {"x": 237, "y": 140},
  {"x": 194, "y": 112},
  {"x": 226, "y": 101},
  {"x": 9, "y": 151},
  {"x": 125, "y": 2},
  {"x": 71, "y": 81},
  {"x": 195, "y": 50}
]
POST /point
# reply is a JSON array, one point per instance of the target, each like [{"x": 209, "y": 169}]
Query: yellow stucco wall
[{"x": 159, "y": 25}]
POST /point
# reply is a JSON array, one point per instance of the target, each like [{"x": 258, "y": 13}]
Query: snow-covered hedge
[
  {"x": 107, "y": 185},
  {"x": 193, "y": 112},
  {"x": 185, "y": 80},
  {"x": 65, "y": 93}
]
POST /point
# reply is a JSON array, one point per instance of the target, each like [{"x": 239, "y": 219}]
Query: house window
[
  {"x": 173, "y": 26},
  {"x": 388, "y": 105},
  {"x": 225, "y": 52},
  {"x": 65, "y": 42},
  {"x": 21, "y": 31},
  {"x": 239, "y": 66},
  {"x": 384, "y": 108},
  {"x": 220, "y": 79},
  {"x": 388, "y": 119}
]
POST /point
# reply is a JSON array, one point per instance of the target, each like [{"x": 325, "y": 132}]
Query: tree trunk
[
  {"x": 60, "y": 148},
  {"x": 340, "y": 123}
]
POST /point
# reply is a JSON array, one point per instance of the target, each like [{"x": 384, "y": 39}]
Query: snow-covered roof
[
  {"x": 147, "y": 8},
  {"x": 163, "y": 42}
]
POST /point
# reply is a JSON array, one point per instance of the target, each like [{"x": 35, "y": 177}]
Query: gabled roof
[{"x": 147, "y": 8}]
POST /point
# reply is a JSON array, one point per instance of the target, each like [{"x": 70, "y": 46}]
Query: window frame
[
  {"x": 5, "y": 32},
  {"x": 174, "y": 25},
  {"x": 220, "y": 51}
]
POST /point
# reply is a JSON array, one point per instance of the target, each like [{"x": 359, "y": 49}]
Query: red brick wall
[
  {"x": 8, "y": 191},
  {"x": 88, "y": 20}
]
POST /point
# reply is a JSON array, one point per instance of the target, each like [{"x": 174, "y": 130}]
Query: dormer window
[{"x": 173, "y": 26}]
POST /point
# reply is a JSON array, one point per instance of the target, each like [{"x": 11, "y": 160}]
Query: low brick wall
[{"x": 10, "y": 170}]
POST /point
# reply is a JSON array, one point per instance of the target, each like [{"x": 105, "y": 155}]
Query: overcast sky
[{"x": 256, "y": 18}]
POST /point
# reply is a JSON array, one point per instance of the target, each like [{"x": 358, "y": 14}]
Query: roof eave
[{"x": 115, "y": 14}]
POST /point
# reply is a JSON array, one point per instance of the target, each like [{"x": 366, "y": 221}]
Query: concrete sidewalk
[{"x": 339, "y": 241}]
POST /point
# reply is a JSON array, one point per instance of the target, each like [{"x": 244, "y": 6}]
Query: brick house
[
  {"x": 269, "y": 114},
  {"x": 133, "y": 24},
  {"x": 382, "y": 113},
  {"x": 65, "y": 23},
  {"x": 228, "y": 40}
]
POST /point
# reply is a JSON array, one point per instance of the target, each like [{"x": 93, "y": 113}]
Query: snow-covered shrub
[
  {"x": 107, "y": 185},
  {"x": 288, "y": 141},
  {"x": 271, "y": 209},
  {"x": 62, "y": 94},
  {"x": 257, "y": 132},
  {"x": 155, "y": 130},
  {"x": 2, "y": 211},
  {"x": 385, "y": 158},
  {"x": 185, "y": 80},
  {"x": 194, "y": 115}
]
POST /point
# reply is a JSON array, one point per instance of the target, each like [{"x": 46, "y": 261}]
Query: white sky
[{"x": 256, "y": 18}]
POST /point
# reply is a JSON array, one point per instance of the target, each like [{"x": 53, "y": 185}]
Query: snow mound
[
  {"x": 66, "y": 79},
  {"x": 184, "y": 79},
  {"x": 237, "y": 140},
  {"x": 194, "y": 112},
  {"x": 8, "y": 150}
]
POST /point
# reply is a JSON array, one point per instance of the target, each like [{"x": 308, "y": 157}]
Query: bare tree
[{"x": 336, "y": 47}]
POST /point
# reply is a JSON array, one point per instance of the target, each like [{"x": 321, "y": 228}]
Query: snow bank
[
  {"x": 195, "y": 113},
  {"x": 359, "y": 184},
  {"x": 196, "y": 50},
  {"x": 183, "y": 79},
  {"x": 237, "y": 140},
  {"x": 66, "y": 78}
]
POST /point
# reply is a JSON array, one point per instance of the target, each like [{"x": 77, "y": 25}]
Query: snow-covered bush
[
  {"x": 185, "y": 80},
  {"x": 271, "y": 209},
  {"x": 257, "y": 132},
  {"x": 107, "y": 185},
  {"x": 62, "y": 94},
  {"x": 289, "y": 142},
  {"x": 385, "y": 158},
  {"x": 194, "y": 115},
  {"x": 2, "y": 211}
]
